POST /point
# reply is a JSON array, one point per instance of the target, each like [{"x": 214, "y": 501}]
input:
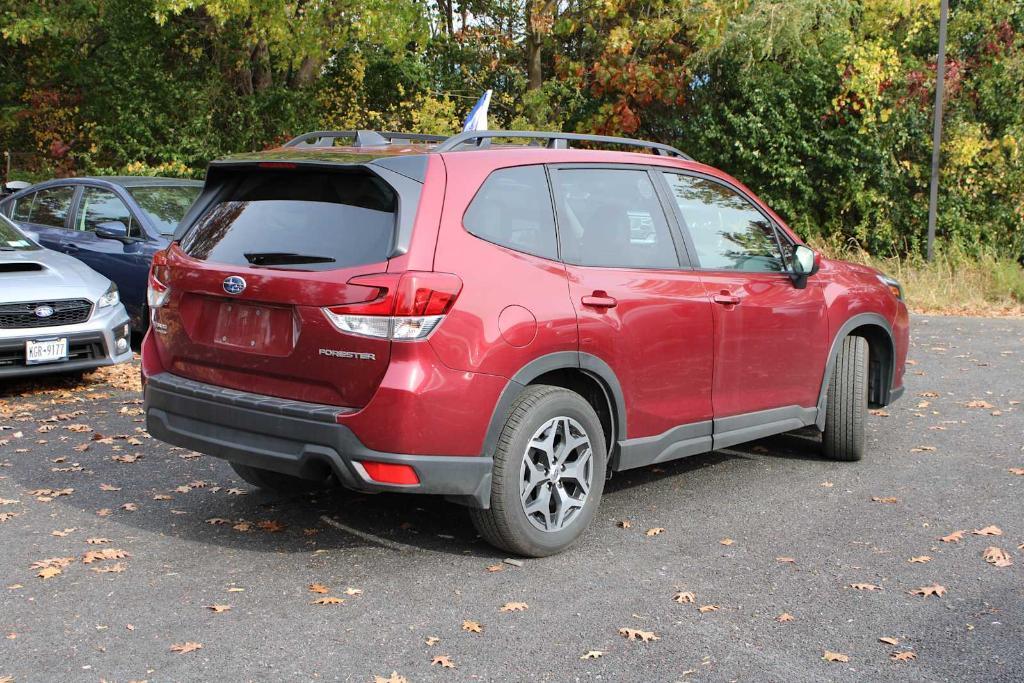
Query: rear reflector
[{"x": 390, "y": 473}]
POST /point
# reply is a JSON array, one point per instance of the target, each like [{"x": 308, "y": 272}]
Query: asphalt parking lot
[{"x": 750, "y": 534}]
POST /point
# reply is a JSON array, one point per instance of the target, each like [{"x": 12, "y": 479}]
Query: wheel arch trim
[
  {"x": 559, "y": 360},
  {"x": 856, "y": 321}
]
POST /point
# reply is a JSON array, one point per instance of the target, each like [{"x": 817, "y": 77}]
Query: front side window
[
  {"x": 612, "y": 218},
  {"x": 304, "y": 220},
  {"x": 50, "y": 207},
  {"x": 513, "y": 209},
  {"x": 728, "y": 232},
  {"x": 103, "y": 206},
  {"x": 165, "y": 205}
]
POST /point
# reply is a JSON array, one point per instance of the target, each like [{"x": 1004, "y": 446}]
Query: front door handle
[
  {"x": 599, "y": 300},
  {"x": 726, "y": 299}
]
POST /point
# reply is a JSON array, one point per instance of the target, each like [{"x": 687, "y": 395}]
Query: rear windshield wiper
[{"x": 280, "y": 258}]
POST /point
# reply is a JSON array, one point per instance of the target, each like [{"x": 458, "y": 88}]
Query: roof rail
[
  {"x": 482, "y": 138},
  {"x": 363, "y": 138}
]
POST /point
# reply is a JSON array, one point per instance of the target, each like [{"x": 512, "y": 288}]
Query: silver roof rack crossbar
[
  {"x": 361, "y": 138},
  {"x": 482, "y": 138}
]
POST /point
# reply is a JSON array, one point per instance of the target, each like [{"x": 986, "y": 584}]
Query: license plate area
[
  {"x": 254, "y": 328},
  {"x": 53, "y": 350}
]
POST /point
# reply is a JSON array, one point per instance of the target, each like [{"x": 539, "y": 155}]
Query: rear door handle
[
  {"x": 599, "y": 300},
  {"x": 726, "y": 299}
]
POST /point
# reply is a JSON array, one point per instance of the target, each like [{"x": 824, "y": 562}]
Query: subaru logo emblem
[
  {"x": 234, "y": 285},
  {"x": 44, "y": 311}
]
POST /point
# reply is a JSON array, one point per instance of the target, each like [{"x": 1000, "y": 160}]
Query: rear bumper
[{"x": 296, "y": 438}]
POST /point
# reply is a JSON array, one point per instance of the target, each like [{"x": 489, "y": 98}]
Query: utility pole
[{"x": 940, "y": 86}]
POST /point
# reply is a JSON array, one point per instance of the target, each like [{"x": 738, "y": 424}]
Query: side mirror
[
  {"x": 112, "y": 230},
  {"x": 805, "y": 264}
]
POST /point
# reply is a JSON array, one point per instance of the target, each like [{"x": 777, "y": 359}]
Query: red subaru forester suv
[{"x": 501, "y": 324}]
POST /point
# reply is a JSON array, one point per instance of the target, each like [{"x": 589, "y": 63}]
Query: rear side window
[
  {"x": 49, "y": 207},
  {"x": 612, "y": 218},
  {"x": 298, "y": 219},
  {"x": 513, "y": 209},
  {"x": 23, "y": 208}
]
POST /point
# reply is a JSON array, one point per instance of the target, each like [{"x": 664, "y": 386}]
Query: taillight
[
  {"x": 157, "y": 292},
  {"x": 404, "y": 308}
]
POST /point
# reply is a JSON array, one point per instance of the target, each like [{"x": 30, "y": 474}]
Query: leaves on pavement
[
  {"x": 830, "y": 656},
  {"x": 684, "y": 597},
  {"x": 925, "y": 591},
  {"x": 514, "y": 607},
  {"x": 637, "y": 634},
  {"x": 654, "y": 531},
  {"x": 991, "y": 530},
  {"x": 865, "y": 587},
  {"x": 592, "y": 654},
  {"x": 472, "y": 627},
  {"x": 954, "y": 537},
  {"x": 328, "y": 600},
  {"x": 920, "y": 559},
  {"x": 785, "y": 618},
  {"x": 444, "y": 660},
  {"x": 185, "y": 648},
  {"x": 997, "y": 556},
  {"x": 905, "y": 656}
]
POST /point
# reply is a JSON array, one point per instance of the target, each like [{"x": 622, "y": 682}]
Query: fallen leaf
[
  {"x": 271, "y": 525},
  {"x": 593, "y": 654},
  {"x": 876, "y": 499},
  {"x": 889, "y": 641},
  {"x": 443, "y": 660},
  {"x": 162, "y": 496},
  {"x": 514, "y": 607},
  {"x": 922, "y": 449},
  {"x": 625, "y": 524},
  {"x": 218, "y": 521},
  {"x": 727, "y": 541},
  {"x": 109, "y": 487},
  {"x": 218, "y": 609},
  {"x": 472, "y": 627},
  {"x": 495, "y": 568},
  {"x": 115, "y": 568},
  {"x": 395, "y": 677},
  {"x": 654, "y": 531},
  {"x": 130, "y": 507},
  {"x": 703, "y": 609},
  {"x": 353, "y": 591},
  {"x": 934, "y": 589},
  {"x": 878, "y": 412},
  {"x": 920, "y": 559},
  {"x": 105, "y": 554},
  {"x": 790, "y": 560},
  {"x": 129, "y": 459},
  {"x": 827, "y": 484},
  {"x": 61, "y": 533},
  {"x": 865, "y": 587},
  {"x": 48, "y": 572},
  {"x": 103, "y": 512},
  {"x": 684, "y": 597},
  {"x": 8, "y": 501},
  {"x": 636, "y": 634},
  {"x": 184, "y": 648},
  {"x": 97, "y": 541},
  {"x": 954, "y": 537},
  {"x": 928, "y": 394},
  {"x": 432, "y": 640},
  {"x": 979, "y": 404},
  {"x": 785, "y": 617},
  {"x": 835, "y": 657},
  {"x": 318, "y": 588},
  {"x": 902, "y": 656},
  {"x": 992, "y": 530},
  {"x": 997, "y": 556},
  {"x": 59, "y": 562},
  {"x": 1017, "y": 470},
  {"x": 237, "y": 492},
  {"x": 328, "y": 600}
]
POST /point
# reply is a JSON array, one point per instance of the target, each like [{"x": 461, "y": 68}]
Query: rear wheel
[
  {"x": 548, "y": 474},
  {"x": 269, "y": 480},
  {"x": 846, "y": 410}
]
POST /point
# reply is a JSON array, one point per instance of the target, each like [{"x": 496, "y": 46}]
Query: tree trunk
[
  {"x": 534, "y": 71},
  {"x": 307, "y": 73},
  {"x": 262, "y": 78}
]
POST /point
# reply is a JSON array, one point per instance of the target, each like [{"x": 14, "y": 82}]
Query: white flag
[{"x": 477, "y": 118}]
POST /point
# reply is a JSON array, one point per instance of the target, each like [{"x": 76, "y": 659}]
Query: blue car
[{"x": 114, "y": 224}]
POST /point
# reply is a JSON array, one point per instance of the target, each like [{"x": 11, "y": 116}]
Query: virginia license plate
[{"x": 46, "y": 351}]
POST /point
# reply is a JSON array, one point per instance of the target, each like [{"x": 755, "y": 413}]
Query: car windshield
[
  {"x": 12, "y": 239},
  {"x": 165, "y": 205}
]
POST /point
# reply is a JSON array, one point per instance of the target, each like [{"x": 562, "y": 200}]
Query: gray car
[{"x": 56, "y": 313}]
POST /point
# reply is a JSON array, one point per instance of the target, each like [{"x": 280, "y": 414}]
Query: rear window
[{"x": 298, "y": 220}]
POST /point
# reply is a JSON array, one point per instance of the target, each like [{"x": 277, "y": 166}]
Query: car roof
[{"x": 114, "y": 180}]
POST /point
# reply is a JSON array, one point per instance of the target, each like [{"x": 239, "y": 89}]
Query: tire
[
  {"x": 847, "y": 403},
  {"x": 544, "y": 419},
  {"x": 268, "y": 480}
]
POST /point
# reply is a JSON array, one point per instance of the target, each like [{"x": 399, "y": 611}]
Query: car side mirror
[
  {"x": 805, "y": 264},
  {"x": 112, "y": 230}
]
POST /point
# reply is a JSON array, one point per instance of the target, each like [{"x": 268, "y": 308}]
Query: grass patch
[{"x": 953, "y": 283}]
